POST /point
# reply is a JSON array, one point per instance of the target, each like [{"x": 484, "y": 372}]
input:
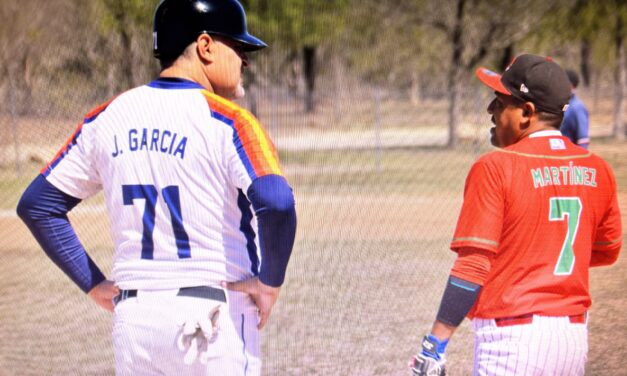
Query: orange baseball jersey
[{"x": 543, "y": 206}]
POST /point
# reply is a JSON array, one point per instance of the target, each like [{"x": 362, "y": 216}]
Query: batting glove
[
  {"x": 196, "y": 334},
  {"x": 431, "y": 360}
]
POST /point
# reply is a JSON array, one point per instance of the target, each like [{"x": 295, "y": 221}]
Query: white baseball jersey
[{"x": 175, "y": 162}]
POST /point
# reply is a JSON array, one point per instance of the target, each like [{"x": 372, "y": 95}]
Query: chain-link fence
[{"x": 378, "y": 190}]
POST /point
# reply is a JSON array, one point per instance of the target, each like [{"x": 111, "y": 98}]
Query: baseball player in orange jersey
[{"x": 537, "y": 213}]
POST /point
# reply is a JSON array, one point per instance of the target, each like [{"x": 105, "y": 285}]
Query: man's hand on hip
[
  {"x": 263, "y": 295},
  {"x": 103, "y": 294}
]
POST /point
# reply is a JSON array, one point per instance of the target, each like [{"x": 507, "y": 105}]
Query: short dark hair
[
  {"x": 166, "y": 63},
  {"x": 551, "y": 119},
  {"x": 573, "y": 77}
]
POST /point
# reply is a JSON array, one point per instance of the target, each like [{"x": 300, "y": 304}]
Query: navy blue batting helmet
[{"x": 178, "y": 23}]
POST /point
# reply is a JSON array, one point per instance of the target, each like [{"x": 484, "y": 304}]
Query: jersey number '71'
[{"x": 172, "y": 200}]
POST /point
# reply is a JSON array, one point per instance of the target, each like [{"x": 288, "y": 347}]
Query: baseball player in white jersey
[{"x": 202, "y": 219}]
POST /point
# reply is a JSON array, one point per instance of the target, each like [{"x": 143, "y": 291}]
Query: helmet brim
[{"x": 246, "y": 42}]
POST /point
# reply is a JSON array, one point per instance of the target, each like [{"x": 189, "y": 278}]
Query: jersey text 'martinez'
[{"x": 564, "y": 175}]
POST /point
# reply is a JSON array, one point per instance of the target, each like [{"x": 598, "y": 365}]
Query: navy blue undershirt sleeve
[
  {"x": 459, "y": 297},
  {"x": 44, "y": 208},
  {"x": 273, "y": 201}
]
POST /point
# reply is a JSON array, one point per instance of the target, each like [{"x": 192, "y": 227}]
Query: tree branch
[{"x": 485, "y": 42}]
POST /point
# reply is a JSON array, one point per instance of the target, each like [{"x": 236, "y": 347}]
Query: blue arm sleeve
[
  {"x": 273, "y": 201},
  {"x": 44, "y": 208},
  {"x": 459, "y": 297},
  {"x": 583, "y": 139}
]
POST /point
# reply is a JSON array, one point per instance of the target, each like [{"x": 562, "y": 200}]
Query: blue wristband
[{"x": 433, "y": 347}]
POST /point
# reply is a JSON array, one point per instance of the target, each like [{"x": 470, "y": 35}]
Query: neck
[
  {"x": 188, "y": 71},
  {"x": 536, "y": 126}
]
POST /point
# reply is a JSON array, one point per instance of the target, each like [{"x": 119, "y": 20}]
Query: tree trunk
[
  {"x": 453, "y": 77},
  {"x": 251, "y": 95},
  {"x": 619, "y": 83},
  {"x": 453, "y": 108},
  {"x": 127, "y": 63},
  {"x": 293, "y": 73},
  {"x": 26, "y": 108},
  {"x": 309, "y": 62},
  {"x": 111, "y": 81},
  {"x": 251, "y": 87},
  {"x": 338, "y": 78},
  {"x": 585, "y": 62},
  {"x": 13, "y": 108},
  {"x": 414, "y": 88},
  {"x": 507, "y": 57}
]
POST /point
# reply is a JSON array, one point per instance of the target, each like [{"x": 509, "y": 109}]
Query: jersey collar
[
  {"x": 548, "y": 133},
  {"x": 174, "y": 83}
]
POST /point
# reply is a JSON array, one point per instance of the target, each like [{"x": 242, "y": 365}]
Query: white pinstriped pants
[
  {"x": 145, "y": 331},
  {"x": 547, "y": 346}
]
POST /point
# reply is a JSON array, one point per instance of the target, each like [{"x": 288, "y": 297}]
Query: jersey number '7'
[
  {"x": 173, "y": 202},
  {"x": 569, "y": 208}
]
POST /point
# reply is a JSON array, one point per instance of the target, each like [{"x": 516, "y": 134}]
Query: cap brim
[{"x": 492, "y": 80}]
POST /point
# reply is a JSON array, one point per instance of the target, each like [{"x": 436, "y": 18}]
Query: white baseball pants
[
  {"x": 145, "y": 331},
  {"x": 544, "y": 346}
]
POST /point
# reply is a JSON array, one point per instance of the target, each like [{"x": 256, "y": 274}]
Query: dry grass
[{"x": 363, "y": 285}]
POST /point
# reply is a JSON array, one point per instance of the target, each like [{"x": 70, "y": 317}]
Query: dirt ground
[{"x": 362, "y": 288}]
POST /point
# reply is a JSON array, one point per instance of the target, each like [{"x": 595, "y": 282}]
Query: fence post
[
  {"x": 377, "y": 129},
  {"x": 14, "y": 126}
]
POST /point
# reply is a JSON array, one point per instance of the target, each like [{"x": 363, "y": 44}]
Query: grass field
[{"x": 369, "y": 265}]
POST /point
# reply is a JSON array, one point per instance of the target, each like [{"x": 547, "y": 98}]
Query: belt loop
[{"x": 579, "y": 319}]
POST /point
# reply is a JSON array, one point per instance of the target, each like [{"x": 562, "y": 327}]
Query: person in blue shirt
[{"x": 575, "y": 125}]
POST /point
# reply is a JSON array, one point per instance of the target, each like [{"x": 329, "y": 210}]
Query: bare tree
[
  {"x": 600, "y": 29},
  {"x": 125, "y": 29},
  {"x": 301, "y": 27},
  {"x": 619, "y": 78},
  {"x": 24, "y": 50},
  {"x": 474, "y": 28}
]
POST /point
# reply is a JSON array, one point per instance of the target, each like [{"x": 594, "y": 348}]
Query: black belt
[{"x": 204, "y": 292}]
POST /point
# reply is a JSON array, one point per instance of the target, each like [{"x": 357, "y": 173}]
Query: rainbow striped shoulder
[
  {"x": 254, "y": 147},
  {"x": 67, "y": 146}
]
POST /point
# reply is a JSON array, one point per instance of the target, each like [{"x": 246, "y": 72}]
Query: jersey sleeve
[
  {"x": 254, "y": 154},
  {"x": 569, "y": 125},
  {"x": 273, "y": 201},
  {"x": 250, "y": 153},
  {"x": 44, "y": 208},
  {"x": 609, "y": 233},
  {"x": 472, "y": 265},
  {"x": 581, "y": 122},
  {"x": 72, "y": 170},
  {"x": 481, "y": 219}
]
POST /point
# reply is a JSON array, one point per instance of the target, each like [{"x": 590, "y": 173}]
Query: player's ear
[
  {"x": 205, "y": 47},
  {"x": 528, "y": 109}
]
